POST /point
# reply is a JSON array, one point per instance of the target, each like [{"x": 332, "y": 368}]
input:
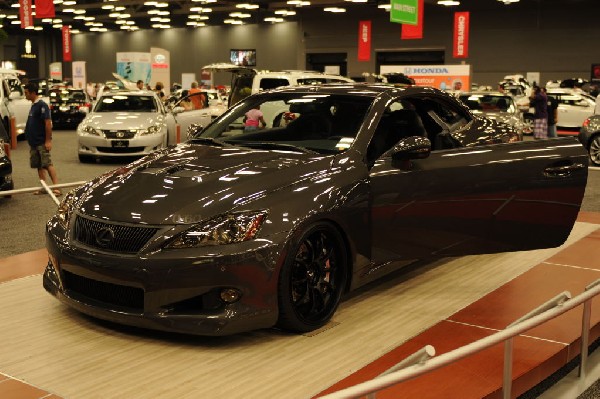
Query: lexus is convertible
[{"x": 248, "y": 226}]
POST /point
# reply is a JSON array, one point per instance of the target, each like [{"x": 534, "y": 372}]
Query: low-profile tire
[
  {"x": 312, "y": 279},
  {"x": 86, "y": 158},
  {"x": 594, "y": 150}
]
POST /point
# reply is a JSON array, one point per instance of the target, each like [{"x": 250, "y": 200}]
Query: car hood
[
  {"x": 123, "y": 120},
  {"x": 190, "y": 183}
]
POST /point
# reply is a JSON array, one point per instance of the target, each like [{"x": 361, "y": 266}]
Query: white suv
[{"x": 246, "y": 81}]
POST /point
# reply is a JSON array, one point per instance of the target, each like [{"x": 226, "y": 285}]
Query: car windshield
[
  {"x": 291, "y": 121},
  {"x": 488, "y": 102},
  {"x": 122, "y": 102}
]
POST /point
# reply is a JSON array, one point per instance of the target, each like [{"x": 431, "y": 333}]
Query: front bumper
[
  {"x": 137, "y": 146},
  {"x": 170, "y": 290}
]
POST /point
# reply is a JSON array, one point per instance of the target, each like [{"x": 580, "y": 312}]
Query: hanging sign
[
  {"x": 364, "y": 40},
  {"x": 461, "y": 35},
  {"x": 66, "y": 41},
  {"x": 414, "y": 31},
  {"x": 404, "y": 11},
  {"x": 25, "y": 12},
  {"x": 44, "y": 8}
]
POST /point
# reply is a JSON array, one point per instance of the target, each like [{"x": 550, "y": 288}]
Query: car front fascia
[{"x": 169, "y": 278}]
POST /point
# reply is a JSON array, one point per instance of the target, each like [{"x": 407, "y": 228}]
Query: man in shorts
[{"x": 39, "y": 135}]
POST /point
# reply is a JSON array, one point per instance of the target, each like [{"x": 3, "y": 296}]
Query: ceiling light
[
  {"x": 448, "y": 3},
  {"x": 247, "y": 6},
  {"x": 108, "y": 7},
  {"x": 334, "y": 9},
  {"x": 274, "y": 19},
  {"x": 298, "y": 3},
  {"x": 239, "y": 15},
  {"x": 285, "y": 13}
]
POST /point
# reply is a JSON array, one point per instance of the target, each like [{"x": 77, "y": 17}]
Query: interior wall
[
  {"x": 553, "y": 37},
  {"x": 190, "y": 48}
]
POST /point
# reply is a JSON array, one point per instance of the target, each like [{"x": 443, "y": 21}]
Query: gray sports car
[{"x": 252, "y": 224}]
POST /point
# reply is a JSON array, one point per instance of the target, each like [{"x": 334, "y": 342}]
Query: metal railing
[
  {"x": 425, "y": 363},
  {"x": 43, "y": 186}
]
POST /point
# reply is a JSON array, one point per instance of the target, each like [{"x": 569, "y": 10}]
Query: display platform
[{"x": 50, "y": 351}]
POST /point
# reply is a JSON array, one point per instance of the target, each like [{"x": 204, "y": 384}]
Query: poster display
[
  {"x": 444, "y": 77},
  {"x": 134, "y": 66},
  {"x": 79, "y": 75},
  {"x": 56, "y": 71},
  {"x": 161, "y": 68}
]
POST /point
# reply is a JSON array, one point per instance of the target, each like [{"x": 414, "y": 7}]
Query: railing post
[
  {"x": 585, "y": 331},
  {"x": 507, "y": 373}
]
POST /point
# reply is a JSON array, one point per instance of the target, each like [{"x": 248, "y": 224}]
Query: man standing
[
  {"x": 552, "y": 115},
  {"x": 39, "y": 135},
  {"x": 539, "y": 102},
  {"x": 197, "y": 99}
]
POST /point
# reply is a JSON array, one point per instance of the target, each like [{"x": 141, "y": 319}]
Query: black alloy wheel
[
  {"x": 313, "y": 279},
  {"x": 595, "y": 150}
]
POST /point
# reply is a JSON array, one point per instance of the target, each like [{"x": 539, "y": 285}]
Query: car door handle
[{"x": 563, "y": 170}]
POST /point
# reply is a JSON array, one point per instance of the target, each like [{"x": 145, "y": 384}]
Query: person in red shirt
[{"x": 197, "y": 99}]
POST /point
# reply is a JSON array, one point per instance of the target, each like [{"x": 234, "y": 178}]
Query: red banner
[
  {"x": 364, "y": 40},
  {"x": 414, "y": 31},
  {"x": 44, "y": 8},
  {"x": 25, "y": 12},
  {"x": 66, "y": 41},
  {"x": 461, "y": 35}
]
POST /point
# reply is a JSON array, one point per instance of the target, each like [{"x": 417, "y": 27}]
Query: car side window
[
  {"x": 272, "y": 83},
  {"x": 399, "y": 120}
]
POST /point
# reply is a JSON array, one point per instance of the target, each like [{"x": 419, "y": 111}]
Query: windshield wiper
[
  {"x": 209, "y": 140},
  {"x": 275, "y": 146}
]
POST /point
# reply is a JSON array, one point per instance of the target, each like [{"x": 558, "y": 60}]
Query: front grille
[
  {"x": 118, "y": 134},
  {"x": 121, "y": 150},
  {"x": 113, "y": 294},
  {"x": 111, "y": 237}
]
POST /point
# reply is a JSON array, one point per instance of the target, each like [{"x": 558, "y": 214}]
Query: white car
[
  {"x": 13, "y": 102},
  {"x": 214, "y": 106},
  {"x": 125, "y": 123},
  {"x": 574, "y": 107}
]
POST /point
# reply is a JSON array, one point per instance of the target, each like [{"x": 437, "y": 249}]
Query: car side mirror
[
  {"x": 414, "y": 147},
  {"x": 193, "y": 130},
  {"x": 14, "y": 95},
  {"x": 177, "y": 110}
]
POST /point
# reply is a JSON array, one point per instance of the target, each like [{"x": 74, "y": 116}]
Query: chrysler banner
[
  {"x": 444, "y": 77},
  {"x": 461, "y": 35},
  {"x": 364, "y": 40}
]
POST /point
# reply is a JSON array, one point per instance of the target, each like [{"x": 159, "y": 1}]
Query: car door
[
  {"x": 573, "y": 109},
  {"x": 471, "y": 200}
]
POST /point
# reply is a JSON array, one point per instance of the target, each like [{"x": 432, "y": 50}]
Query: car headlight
[
  {"x": 154, "y": 129},
  {"x": 227, "y": 229},
  {"x": 90, "y": 130},
  {"x": 65, "y": 208}
]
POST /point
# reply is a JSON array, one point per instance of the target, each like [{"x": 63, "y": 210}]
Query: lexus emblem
[
  {"x": 120, "y": 134},
  {"x": 105, "y": 237}
]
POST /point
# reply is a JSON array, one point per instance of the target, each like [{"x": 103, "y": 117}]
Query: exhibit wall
[{"x": 551, "y": 37}]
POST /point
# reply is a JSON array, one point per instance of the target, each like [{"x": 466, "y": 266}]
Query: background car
[
  {"x": 574, "y": 108},
  {"x": 6, "y": 181},
  {"x": 589, "y": 136},
  {"x": 498, "y": 106},
  {"x": 124, "y": 123},
  {"x": 240, "y": 229},
  {"x": 68, "y": 107}
]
